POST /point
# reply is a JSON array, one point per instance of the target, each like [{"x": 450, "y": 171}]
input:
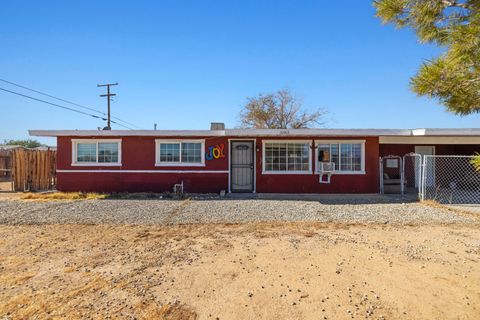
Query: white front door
[{"x": 430, "y": 173}]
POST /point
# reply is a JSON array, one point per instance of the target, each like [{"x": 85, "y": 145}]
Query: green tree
[
  {"x": 279, "y": 110},
  {"x": 454, "y": 77},
  {"x": 28, "y": 143}
]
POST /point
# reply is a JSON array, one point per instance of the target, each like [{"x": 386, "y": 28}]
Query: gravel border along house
[{"x": 201, "y": 209}]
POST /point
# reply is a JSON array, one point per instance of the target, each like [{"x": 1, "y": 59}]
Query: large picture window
[
  {"x": 180, "y": 152},
  {"x": 95, "y": 152},
  {"x": 286, "y": 157},
  {"x": 348, "y": 157}
]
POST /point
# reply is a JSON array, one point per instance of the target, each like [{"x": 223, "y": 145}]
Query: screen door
[{"x": 242, "y": 166}]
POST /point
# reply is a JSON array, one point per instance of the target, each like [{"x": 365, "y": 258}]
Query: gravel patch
[{"x": 197, "y": 210}]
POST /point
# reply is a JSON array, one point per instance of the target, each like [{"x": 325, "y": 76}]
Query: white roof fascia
[
  {"x": 260, "y": 133},
  {"x": 452, "y": 132},
  {"x": 229, "y": 132},
  {"x": 418, "y": 132},
  {"x": 429, "y": 140},
  {"x": 315, "y": 132},
  {"x": 124, "y": 133}
]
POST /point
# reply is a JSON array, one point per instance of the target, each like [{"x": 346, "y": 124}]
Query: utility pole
[{"x": 108, "y": 95}]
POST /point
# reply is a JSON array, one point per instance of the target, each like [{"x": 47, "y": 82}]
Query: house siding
[
  {"x": 138, "y": 154},
  {"x": 309, "y": 183}
]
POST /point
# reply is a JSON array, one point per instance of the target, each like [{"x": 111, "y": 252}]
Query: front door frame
[{"x": 254, "y": 163}]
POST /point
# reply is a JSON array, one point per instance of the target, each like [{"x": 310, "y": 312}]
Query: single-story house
[{"x": 242, "y": 160}]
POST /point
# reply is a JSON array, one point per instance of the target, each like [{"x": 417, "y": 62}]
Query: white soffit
[{"x": 430, "y": 140}]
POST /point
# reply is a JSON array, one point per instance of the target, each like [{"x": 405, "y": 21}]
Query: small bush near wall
[{"x": 476, "y": 161}]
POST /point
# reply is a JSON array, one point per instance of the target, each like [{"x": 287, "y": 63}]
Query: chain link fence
[{"x": 450, "y": 179}]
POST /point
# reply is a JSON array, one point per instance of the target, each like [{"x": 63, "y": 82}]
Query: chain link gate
[
  {"x": 450, "y": 179},
  {"x": 412, "y": 174},
  {"x": 391, "y": 177}
]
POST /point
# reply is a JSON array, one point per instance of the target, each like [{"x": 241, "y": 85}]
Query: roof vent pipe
[{"x": 217, "y": 126}]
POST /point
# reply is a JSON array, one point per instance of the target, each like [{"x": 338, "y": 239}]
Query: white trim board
[
  {"x": 140, "y": 171},
  {"x": 458, "y": 132},
  {"x": 429, "y": 140}
]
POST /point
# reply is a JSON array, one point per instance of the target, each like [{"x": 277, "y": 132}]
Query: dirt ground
[{"x": 244, "y": 271}]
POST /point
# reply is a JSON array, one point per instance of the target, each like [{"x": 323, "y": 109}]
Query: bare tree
[{"x": 279, "y": 110}]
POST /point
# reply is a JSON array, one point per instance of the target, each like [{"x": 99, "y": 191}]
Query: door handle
[{"x": 251, "y": 166}]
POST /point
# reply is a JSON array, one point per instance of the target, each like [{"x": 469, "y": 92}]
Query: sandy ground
[{"x": 244, "y": 271}]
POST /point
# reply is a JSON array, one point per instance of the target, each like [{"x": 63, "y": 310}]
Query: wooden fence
[
  {"x": 33, "y": 170},
  {"x": 5, "y": 165}
]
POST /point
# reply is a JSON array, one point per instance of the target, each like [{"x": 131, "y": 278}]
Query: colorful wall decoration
[{"x": 215, "y": 152}]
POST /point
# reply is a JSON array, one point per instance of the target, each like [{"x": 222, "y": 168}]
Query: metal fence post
[
  {"x": 380, "y": 161},
  {"x": 420, "y": 175},
  {"x": 402, "y": 176},
  {"x": 423, "y": 179}
]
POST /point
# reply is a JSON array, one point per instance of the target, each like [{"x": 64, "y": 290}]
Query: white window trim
[
  {"x": 75, "y": 142},
  {"x": 179, "y": 164},
  {"x": 309, "y": 142},
  {"x": 362, "y": 161}
]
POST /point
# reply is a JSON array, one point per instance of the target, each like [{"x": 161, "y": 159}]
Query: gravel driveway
[{"x": 221, "y": 211}]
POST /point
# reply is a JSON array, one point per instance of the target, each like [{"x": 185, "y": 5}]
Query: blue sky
[{"x": 183, "y": 64}]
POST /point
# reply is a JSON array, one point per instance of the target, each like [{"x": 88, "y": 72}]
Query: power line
[
  {"x": 70, "y": 102},
  {"x": 50, "y": 96},
  {"x": 60, "y": 106}
]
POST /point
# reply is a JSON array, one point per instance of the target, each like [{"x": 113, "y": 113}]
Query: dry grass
[
  {"x": 438, "y": 205},
  {"x": 209, "y": 271},
  {"x": 49, "y": 196},
  {"x": 173, "y": 312},
  {"x": 63, "y": 196}
]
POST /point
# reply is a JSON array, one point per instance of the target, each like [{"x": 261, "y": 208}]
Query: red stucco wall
[
  {"x": 308, "y": 183},
  {"x": 138, "y": 153}
]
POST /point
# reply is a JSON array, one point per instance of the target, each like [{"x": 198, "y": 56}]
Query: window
[
  {"x": 189, "y": 153},
  {"x": 107, "y": 152},
  {"x": 96, "y": 152},
  {"x": 348, "y": 156},
  {"x": 86, "y": 152},
  {"x": 169, "y": 152},
  {"x": 286, "y": 157}
]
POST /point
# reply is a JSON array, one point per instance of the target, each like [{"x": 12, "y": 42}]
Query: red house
[{"x": 241, "y": 160}]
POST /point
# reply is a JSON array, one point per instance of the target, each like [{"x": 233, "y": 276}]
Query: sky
[{"x": 183, "y": 64}]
